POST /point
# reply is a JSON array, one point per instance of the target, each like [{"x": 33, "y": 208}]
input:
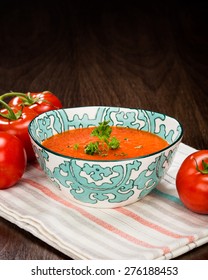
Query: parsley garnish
[
  {"x": 103, "y": 133},
  {"x": 114, "y": 143},
  {"x": 92, "y": 148},
  {"x": 76, "y": 146}
]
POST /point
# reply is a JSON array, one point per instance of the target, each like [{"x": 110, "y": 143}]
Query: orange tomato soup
[{"x": 133, "y": 143}]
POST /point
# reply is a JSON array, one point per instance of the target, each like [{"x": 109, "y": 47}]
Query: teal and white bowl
[{"x": 111, "y": 183}]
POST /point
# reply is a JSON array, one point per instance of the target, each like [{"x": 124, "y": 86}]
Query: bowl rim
[{"x": 178, "y": 140}]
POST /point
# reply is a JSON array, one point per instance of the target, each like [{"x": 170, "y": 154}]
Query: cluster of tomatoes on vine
[{"x": 17, "y": 111}]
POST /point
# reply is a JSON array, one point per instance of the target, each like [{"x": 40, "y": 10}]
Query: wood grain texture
[{"x": 151, "y": 55}]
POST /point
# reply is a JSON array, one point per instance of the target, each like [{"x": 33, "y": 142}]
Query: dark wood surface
[{"x": 151, "y": 55}]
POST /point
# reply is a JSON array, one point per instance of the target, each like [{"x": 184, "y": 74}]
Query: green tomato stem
[
  {"x": 11, "y": 115},
  {"x": 204, "y": 170},
  {"x": 12, "y": 94},
  {"x": 27, "y": 99}
]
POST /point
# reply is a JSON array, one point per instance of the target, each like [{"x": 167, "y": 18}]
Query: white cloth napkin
[{"x": 156, "y": 227}]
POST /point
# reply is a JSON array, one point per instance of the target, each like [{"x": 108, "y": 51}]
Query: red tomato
[
  {"x": 192, "y": 182},
  {"x": 19, "y": 128},
  {"x": 40, "y": 102},
  {"x": 13, "y": 160}
]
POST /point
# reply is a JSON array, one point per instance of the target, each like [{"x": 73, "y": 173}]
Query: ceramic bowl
[{"x": 111, "y": 183}]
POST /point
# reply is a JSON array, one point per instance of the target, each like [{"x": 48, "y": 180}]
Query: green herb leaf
[
  {"x": 76, "y": 146},
  {"x": 103, "y": 131},
  {"x": 114, "y": 143},
  {"x": 92, "y": 148}
]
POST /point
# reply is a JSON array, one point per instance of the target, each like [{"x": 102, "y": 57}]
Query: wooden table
[{"x": 151, "y": 56}]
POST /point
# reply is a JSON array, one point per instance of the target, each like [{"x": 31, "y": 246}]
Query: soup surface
[{"x": 132, "y": 143}]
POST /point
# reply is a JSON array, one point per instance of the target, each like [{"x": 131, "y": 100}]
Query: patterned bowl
[{"x": 101, "y": 183}]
